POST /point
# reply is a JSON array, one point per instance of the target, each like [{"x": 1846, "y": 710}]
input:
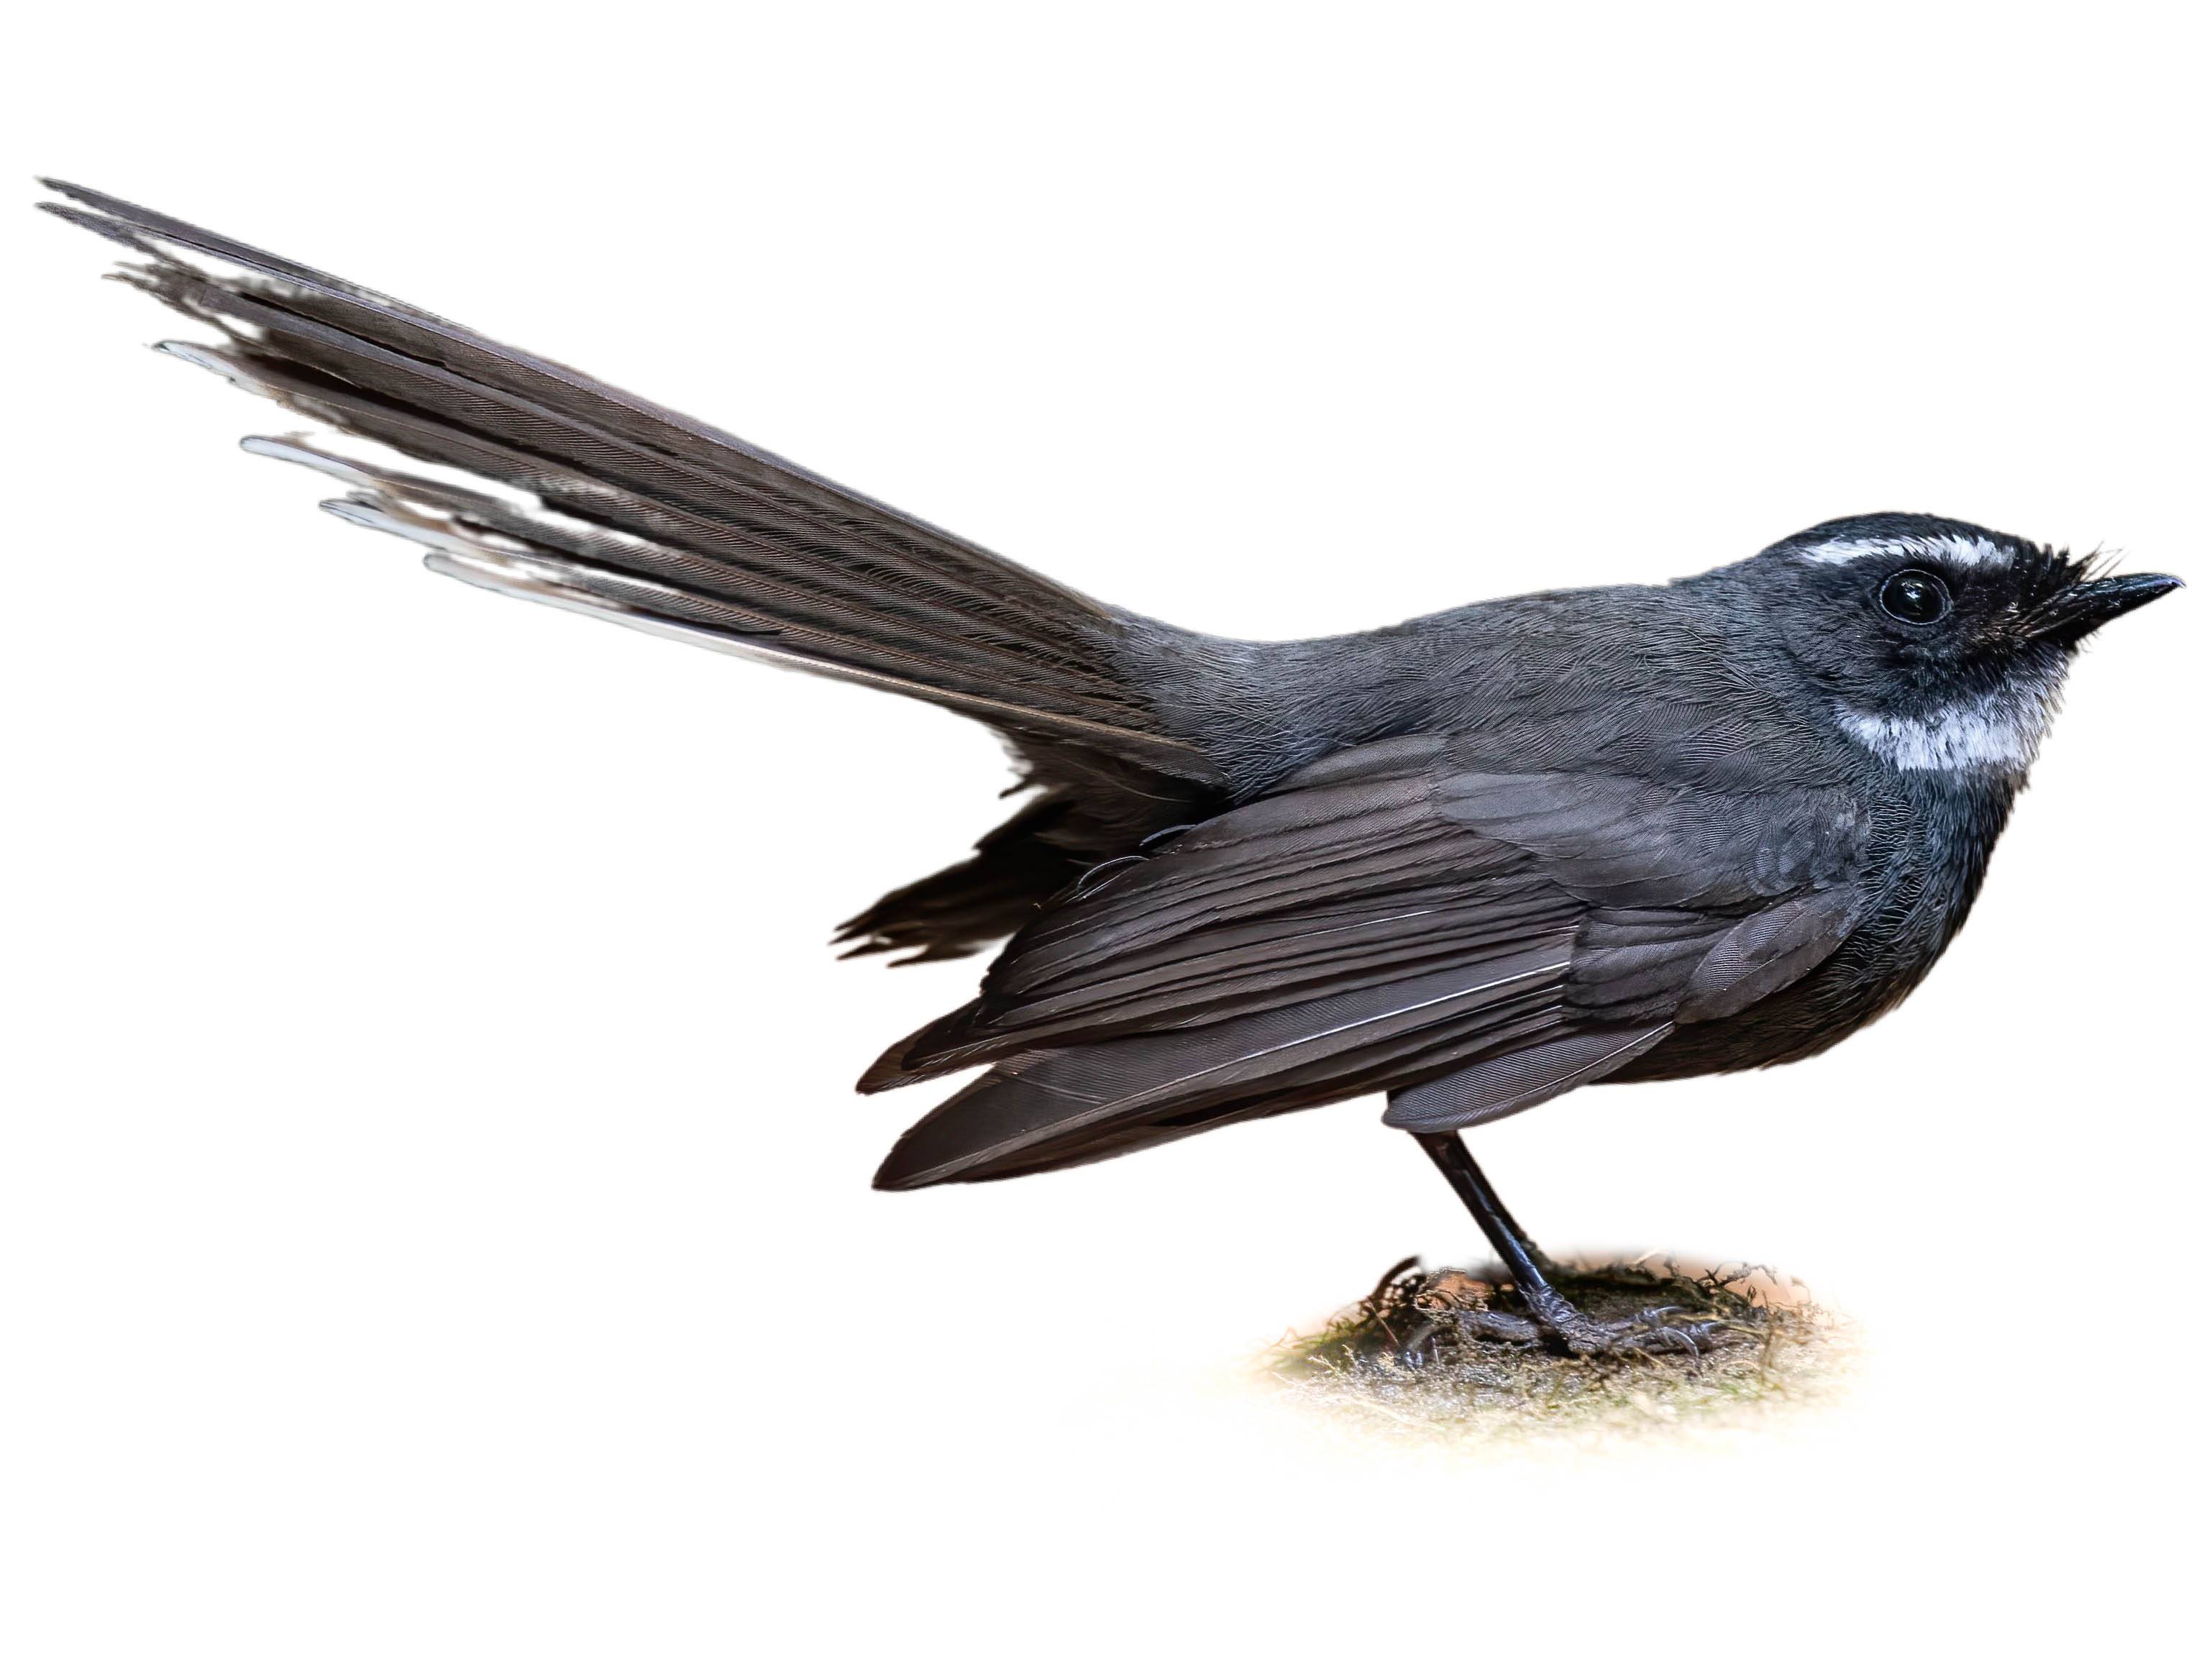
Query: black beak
[{"x": 2086, "y": 607}]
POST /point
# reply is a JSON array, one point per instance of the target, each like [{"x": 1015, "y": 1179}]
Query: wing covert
[{"x": 1389, "y": 917}]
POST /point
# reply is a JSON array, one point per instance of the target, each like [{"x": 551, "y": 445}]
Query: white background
[{"x": 434, "y": 1217}]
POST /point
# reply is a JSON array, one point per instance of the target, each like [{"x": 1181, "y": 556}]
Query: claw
[
  {"x": 1500, "y": 1326},
  {"x": 1644, "y": 1332},
  {"x": 1414, "y": 1352}
]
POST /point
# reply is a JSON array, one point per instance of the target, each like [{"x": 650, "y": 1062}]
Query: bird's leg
[
  {"x": 1514, "y": 1247},
  {"x": 1532, "y": 1271}
]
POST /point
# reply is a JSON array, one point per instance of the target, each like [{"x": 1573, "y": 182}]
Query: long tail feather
[{"x": 596, "y": 500}]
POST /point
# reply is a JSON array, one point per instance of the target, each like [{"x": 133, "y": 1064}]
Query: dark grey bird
[{"x": 1471, "y": 862}]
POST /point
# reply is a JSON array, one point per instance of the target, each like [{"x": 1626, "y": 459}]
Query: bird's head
[{"x": 1937, "y": 645}]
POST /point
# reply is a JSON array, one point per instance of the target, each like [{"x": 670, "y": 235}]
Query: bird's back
[{"x": 1666, "y": 683}]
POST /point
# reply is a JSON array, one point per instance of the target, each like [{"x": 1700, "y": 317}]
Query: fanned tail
[{"x": 589, "y": 499}]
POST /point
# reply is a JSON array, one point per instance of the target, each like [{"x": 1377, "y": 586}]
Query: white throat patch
[
  {"x": 1999, "y": 731},
  {"x": 1962, "y": 552}
]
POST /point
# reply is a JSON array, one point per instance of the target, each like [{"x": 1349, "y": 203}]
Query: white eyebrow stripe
[{"x": 1968, "y": 552}]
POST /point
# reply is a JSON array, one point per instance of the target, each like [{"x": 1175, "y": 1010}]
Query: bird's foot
[
  {"x": 1461, "y": 1302},
  {"x": 1650, "y": 1330},
  {"x": 1458, "y": 1301}
]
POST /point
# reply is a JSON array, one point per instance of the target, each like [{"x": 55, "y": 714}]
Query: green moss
[{"x": 1402, "y": 1363}]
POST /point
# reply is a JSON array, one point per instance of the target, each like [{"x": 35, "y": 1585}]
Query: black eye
[{"x": 1916, "y": 596}]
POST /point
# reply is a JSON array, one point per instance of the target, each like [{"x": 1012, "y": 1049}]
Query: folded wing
[{"x": 1390, "y": 919}]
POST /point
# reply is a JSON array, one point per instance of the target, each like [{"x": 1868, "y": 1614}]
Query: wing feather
[{"x": 1470, "y": 943}]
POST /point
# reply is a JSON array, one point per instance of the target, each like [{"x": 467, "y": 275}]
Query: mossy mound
[{"x": 1403, "y": 1363}]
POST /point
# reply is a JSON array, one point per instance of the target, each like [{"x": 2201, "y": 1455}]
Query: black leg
[
  {"x": 1530, "y": 1267},
  {"x": 1533, "y": 1271},
  {"x": 1514, "y": 1247}
]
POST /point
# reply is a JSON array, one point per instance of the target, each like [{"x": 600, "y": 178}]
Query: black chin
[{"x": 2082, "y": 609}]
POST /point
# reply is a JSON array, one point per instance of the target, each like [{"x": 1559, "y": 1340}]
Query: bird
[{"x": 1469, "y": 863}]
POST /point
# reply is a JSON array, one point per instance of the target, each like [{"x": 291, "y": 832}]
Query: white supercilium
[{"x": 1964, "y": 552}]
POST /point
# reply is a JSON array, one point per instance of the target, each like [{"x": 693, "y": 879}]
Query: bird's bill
[{"x": 2086, "y": 606}]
